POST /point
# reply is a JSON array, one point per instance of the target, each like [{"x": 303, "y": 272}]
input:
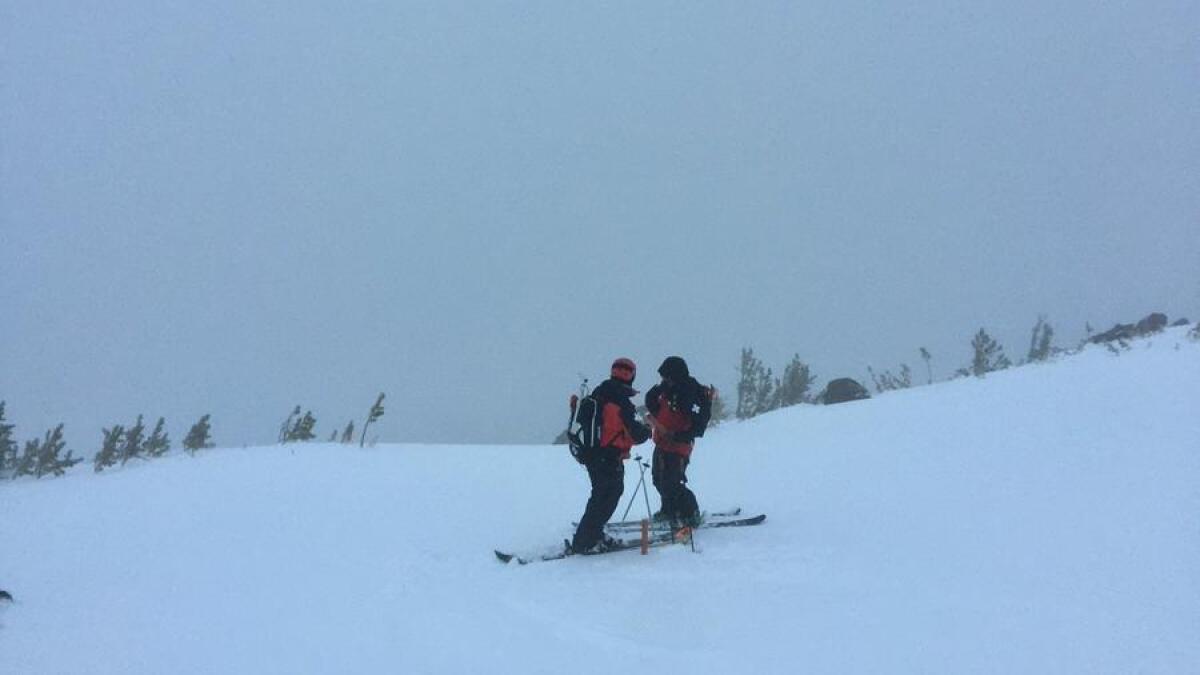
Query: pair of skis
[
  {"x": 718, "y": 519},
  {"x": 661, "y": 535},
  {"x": 656, "y": 540}
]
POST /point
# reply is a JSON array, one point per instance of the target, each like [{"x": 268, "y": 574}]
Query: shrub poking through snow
[{"x": 886, "y": 381}]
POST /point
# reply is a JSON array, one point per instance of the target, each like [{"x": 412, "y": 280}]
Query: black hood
[{"x": 675, "y": 368}]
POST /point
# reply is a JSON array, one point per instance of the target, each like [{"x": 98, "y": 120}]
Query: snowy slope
[{"x": 1042, "y": 520}]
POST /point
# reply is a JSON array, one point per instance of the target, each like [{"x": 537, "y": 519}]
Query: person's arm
[
  {"x": 652, "y": 400},
  {"x": 638, "y": 431}
]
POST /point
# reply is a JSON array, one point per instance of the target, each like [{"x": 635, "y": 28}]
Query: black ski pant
[
  {"x": 607, "y": 473},
  {"x": 669, "y": 474}
]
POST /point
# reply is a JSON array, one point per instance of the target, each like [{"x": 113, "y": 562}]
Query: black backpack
[{"x": 584, "y": 429}]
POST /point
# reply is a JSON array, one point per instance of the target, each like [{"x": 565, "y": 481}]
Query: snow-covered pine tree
[
  {"x": 989, "y": 355},
  {"x": 197, "y": 437},
  {"x": 348, "y": 433},
  {"x": 110, "y": 448},
  {"x": 158, "y": 444},
  {"x": 928, "y": 358}
]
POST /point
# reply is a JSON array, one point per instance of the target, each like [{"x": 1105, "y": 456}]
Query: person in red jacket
[
  {"x": 619, "y": 431},
  {"x": 680, "y": 408}
]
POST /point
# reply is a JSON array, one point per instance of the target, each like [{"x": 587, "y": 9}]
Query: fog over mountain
[{"x": 216, "y": 208}]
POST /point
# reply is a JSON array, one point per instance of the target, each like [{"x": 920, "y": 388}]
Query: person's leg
[
  {"x": 607, "y": 476},
  {"x": 685, "y": 501},
  {"x": 657, "y": 472},
  {"x": 611, "y": 497},
  {"x": 671, "y": 477}
]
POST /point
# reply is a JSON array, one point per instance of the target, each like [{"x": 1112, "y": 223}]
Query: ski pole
[{"x": 642, "y": 466}]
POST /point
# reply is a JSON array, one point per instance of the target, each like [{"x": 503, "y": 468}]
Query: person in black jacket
[
  {"x": 620, "y": 431},
  {"x": 680, "y": 408}
]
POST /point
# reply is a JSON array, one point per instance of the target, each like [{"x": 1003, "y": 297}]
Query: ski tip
[{"x": 503, "y": 557}]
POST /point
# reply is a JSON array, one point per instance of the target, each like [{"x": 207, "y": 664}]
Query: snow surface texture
[{"x": 1045, "y": 519}]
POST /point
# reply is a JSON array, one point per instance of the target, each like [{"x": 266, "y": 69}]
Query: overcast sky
[{"x": 233, "y": 208}]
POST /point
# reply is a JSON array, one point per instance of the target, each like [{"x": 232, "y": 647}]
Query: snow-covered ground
[{"x": 1045, "y": 519}]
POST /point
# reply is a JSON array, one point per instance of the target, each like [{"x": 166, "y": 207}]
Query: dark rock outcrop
[
  {"x": 1152, "y": 323},
  {"x": 842, "y": 390}
]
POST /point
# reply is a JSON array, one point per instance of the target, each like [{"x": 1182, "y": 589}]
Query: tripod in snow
[
  {"x": 642, "y": 466},
  {"x": 681, "y": 534}
]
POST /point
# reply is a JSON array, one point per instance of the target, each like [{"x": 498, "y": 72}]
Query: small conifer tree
[
  {"x": 794, "y": 386},
  {"x": 748, "y": 374},
  {"x": 158, "y": 444},
  {"x": 197, "y": 436},
  {"x": 8, "y": 447},
  {"x": 928, "y": 358},
  {"x": 27, "y": 463},
  {"x": 110, "y": 449},
  {"x": 298, "y": 427},
  {"x": 765, "y": 386},
  {"x": 49, "y": 457},
  {"x": 1040, "y": 341},
  {"x": 134, "y": 442},
  {"x": 373, "y": 415},
  {"x": 285, "y": 431},
  {"x": 348, "y": 432},
  {"x": 304, "y": 428},
  {"x": 989, "y": 355}
]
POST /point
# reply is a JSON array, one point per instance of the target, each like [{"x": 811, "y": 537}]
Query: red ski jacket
[
  {"x": 681, "y": 415},
  {"x": 619, "y": 427}
]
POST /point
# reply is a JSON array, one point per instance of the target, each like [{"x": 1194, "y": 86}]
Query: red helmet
[{"x": 624, "y": 369}]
